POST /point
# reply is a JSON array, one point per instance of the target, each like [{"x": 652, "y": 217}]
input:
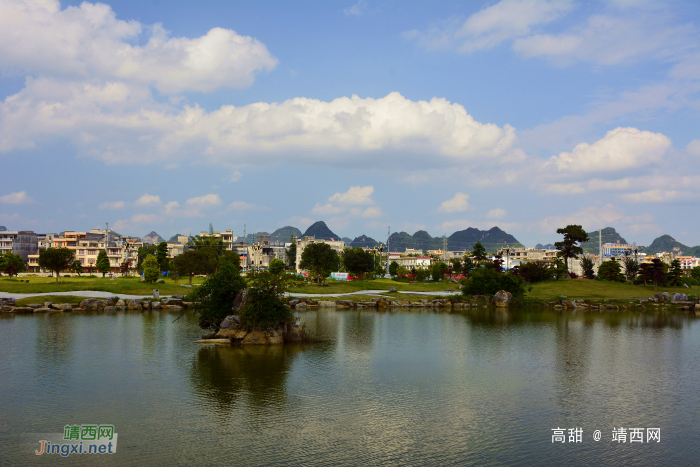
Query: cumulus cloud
[
  {"x": 148, "y": 200},
  {"x": 659, "y": 196},
  {"x": 621, "y": 148},
  {"x": 459, "y": 203},
  {"x": 112, "y": 205},
  {"x": 591, "y": 217},
  {"x": 204, "y": 201},
  {"x": 122, "y": 123},
  {"x": 38, "y": 37},
  {"x": 173, "y": 209},
  {"x": 693, "y": 148},
  {"x": 350, "y": 203},
  {"x": 243, "y": 206},
  {"x": 356, "y": 9},
  {"x": 492, "y": 25},
  {"x": 497, "y": 213},
  {"x": 19, "y": 197},
  {"x": 146, "y": 218}
]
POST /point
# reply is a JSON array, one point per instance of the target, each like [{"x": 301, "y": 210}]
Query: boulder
[
  {"x": 93, "y": 304},
  {"x": 133, "y": 304},
  {"x": 171, "y": 301},
  {"x": 42, "y": 310},
  {"x": 663, "y": 297},
  {"x": 35, "y": 305},
  {"x": 238, "y": 302},
  {"x": 6, "y": 308},
  {"x": 114, "y": 308},
  {"x": 681, "y": 297},
  {"x": 392, "y": 289},
  {"x": 155, "y": 306},
  {"x": 181, "y": 297},
  {"x": 120, "y": 302},
  {"x": 383, "y": 302},
  {"x": 258, "y": 337},
  {"x": 64, "y": 307},
  {"x": 502, "y": 299},
  {"x": 227, "y": 322},
  {"x": 48, "y": 304},
  {"x": 326, "y": 303},
  {"x": 568, "y": 304},
  {"x": 344, "y": 303},
  {"x": 293, "y": 303},
  {"x": 685, "y": 285},
  {"x": 9, "y": 301},
  {"x": 22, "y": 309}
]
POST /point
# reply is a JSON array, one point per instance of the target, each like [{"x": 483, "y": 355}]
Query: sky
[{"x": 526, "y": 115}]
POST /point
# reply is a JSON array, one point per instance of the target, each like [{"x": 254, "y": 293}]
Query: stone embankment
[
  {"x": 663, "y": 301},
  {"x": 232, "y": 330},
  {"x": 8, "y": 305}
]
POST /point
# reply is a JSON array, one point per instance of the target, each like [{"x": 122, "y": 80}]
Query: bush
[
  {"x": 215, "y": 296},
  {"x": 534, "y": 272},
  {"x": 421, "y": 275},
  {"x": 151, "y": 272},
  {"x": 263, "y": 302},
  {"x": 487, "y": 281}
]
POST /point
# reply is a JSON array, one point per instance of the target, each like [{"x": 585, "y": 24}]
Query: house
[
  {"x": 22, "y": 243},
  {"x": 337, "y": 245}
]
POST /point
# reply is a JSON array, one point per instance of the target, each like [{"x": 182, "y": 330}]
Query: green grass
[
  {"x": 591, "y": 289},
  {"x": 57, "y": 299},
  {"x": 390, "y": 296},
  {"x": 127, "y": 286},
  {"x": 376, "y": 284}
]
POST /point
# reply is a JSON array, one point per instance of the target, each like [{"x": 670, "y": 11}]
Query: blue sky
[{"x": 528, "y": 115}]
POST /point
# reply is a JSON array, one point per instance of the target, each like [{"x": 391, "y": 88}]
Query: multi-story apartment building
[
  {"x": 618, "y": 249},
  {"x": 22, "y": 243},
  {"x": 337, "y": 245}
]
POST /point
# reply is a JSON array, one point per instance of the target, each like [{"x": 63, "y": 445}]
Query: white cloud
[
  {"x": 356, "y": 9},
  {"x": 640, "y": 33},
  {"x": 492, "y": 25},
  {"x": 89, "y": 41},
  {"x": 112, "y": 205},
  {"x": 148, "y": 200},
  {"x": 459, "y": 203},
  {"x": 173, "y": 209},
  {"x": 19, "y": 197},
  {"x": 659, "y": 196},
  {"x": 121, "y": 225},
  {"x": 373, "y": 211},
  {"x": 326, "y": 209},
  {"x": 354, "y": 196},
  {"x": 621, "y": 148},
  {"x": 204, "y": 201},
  {"x": 693, "y": 148},
  {"x": 122, "y": 123},
  {"x": 592, "y": 217},
  {"x": 462, "y": 224},
  {"x": 497, "y": 213},
  {"x": 235, "y": 176}
]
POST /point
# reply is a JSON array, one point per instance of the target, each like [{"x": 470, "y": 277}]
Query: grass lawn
[
  {"x": 376, "y": 284},
  {"x": 57, "y": 299},
  {"x": 390, "y": 296},
  {"x": 127, "y": 286},
  {"x": 591, "y": 289}
]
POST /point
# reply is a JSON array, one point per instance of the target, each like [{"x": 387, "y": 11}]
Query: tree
[
  {"x": 394, "y": 268},
  {"x": 468, "y": 266},
  {"x": 191, "y": 262},
  {"x": 479, "y": 254},
  {"x": 357, "y": 261},
  {"x": 231, "y": 257},
  {"x": 197, "y": 242},
  {"x": 76, "y": 267},
  {"x": 379, "y": 268},
  {"x": 438, "y": 271},
  {"x": 588, "y": 267},
  {"x": 151, "y": 272},
  {"x": 11, "y": 264},
  {"x": 263, "y": 305},
  {"x": 215, "y": 296},
  {"x": 124, "y": 268},
  {"x": 291, "y": 253},
  {"x": 611, "y": 271},
  {"x": 277, "y": 266},
  {"x": 211, "y": 229},
  {"x": 533, "y": 272},
  {"x": 558, "y": 268},
  {"x": 456, "y": 265},
  {"x": 486, "y": 281},
  {"x": 631, "y": 267},
  {"x": 568, "y": 248},
  {"x": 319, "y": 259},
  {"x": 143, "y": 252},
  {"x": 162, "y": 255},
  {"x": 56, "y": 259},
  {"x": 695, "y": 273},
  {"x": 675, "y": 273},
  {"x": 657, "y": 272},
  {"x": 103, "y": 263}
]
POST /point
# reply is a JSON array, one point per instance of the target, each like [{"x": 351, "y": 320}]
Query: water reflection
[{"x": 224, "y": 376}]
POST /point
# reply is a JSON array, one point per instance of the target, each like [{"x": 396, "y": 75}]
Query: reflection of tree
[
  {"x": 358, "y": 329},
  {"x": 54, "y": 345},
  {"x": 221, "y": 375}
]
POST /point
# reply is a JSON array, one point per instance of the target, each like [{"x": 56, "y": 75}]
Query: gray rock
[
  {"x": 35, "y": 305},
  {"x": 146, "y": 304},
  {"x": 171, "y": 301},
  {"x": 502, "y": 299},
  {"x": 392, "y": 289},
  {"x": 181, "y": 297},
  {"x": 227, "y": 322},
  {"x": 293, "y": 303},
  {"x": 155, "y": 306},
  {"x": 43, "y": 310},
  {"x": 685, "y": 285},
  {"x": 22, "y": 309},
  {"x": 64, "y": 307},
  {"x": 133, "y": 304},
  {"x": 114, "y": 308},
  {"x": 93, "y": 304},
  {"x": 680, "y": 297},
  {"x": 120, "y": 302},
  {"x": 9, "y": 301}
]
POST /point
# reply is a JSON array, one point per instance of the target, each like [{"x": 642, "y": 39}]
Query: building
[
  {"x": 618, "y": 249},
  {"x": 413, "y": 262},
  {"x": 337, "y": 245},
  {"x": 22, "y": 243}
]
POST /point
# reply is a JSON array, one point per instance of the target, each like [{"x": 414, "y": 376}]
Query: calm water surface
[{"x": 394, "y": 388}]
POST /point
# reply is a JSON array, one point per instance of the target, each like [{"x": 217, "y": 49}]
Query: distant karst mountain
[
  {"x": 152, "y": 237},
  {"x": 283, "y": 234},
  {"x": 668, "y": 243},
  {"x": 610, "y": 235},
  {"x": 173, "y": 239},
  {"x": 347, "y": 240},
  {"x": 321, "y": 231},
  {"x": 361, "y": 241},
  {"x": 253, "y": 237},
  {"x": 462, "y": 240},
  {"x": 2, "y": 228},
  {"x": 548, "y": 246}
]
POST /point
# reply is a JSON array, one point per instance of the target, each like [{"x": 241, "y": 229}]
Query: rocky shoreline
[{"x": 8, "y": 305}]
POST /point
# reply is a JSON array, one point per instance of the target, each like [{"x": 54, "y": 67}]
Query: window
[{"x": 81, "y": 252}]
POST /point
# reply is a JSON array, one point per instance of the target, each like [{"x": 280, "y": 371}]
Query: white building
[{"x": 337, "y": 245}]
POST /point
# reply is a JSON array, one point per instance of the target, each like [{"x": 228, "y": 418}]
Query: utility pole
[
  {"x": 444, "y": 248},
  {"x": 600, "y": 247},
  {"x": 388, "y": 248}
]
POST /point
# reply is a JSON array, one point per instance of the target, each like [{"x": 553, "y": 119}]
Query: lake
[{"x": 477, "y": 387}]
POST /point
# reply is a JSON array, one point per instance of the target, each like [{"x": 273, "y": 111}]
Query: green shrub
[
  {"x": 215, "y": 296},
  {"x": 264, "y": 305},
  {"x": 151, "y": 272},
  {"x": 487, "y": 281}
]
